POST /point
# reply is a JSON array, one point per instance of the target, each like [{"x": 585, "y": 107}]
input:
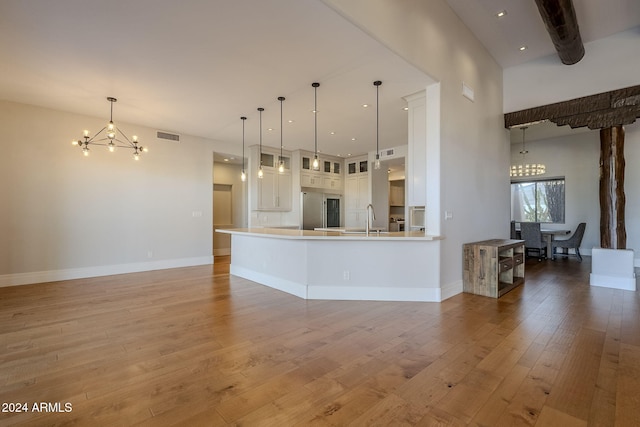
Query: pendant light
[
  {"x": 281, "y": 159},
  {"x": 243, "y": 175},
  {"x": 316, "y": 162},
  {"x": 524, "y": 168},
  {"x": 260, "y": 172},
  {"x": 376, "y": 164}
]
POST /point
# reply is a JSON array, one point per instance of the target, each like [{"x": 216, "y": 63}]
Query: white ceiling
[
  {"x": 195, "y": 67},
  {"x": 523, "y": 26}
]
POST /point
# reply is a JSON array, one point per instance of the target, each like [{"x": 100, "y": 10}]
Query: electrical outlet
[
  {"x": 346, "y": 275},
  {"x": 149, "y": 254}
]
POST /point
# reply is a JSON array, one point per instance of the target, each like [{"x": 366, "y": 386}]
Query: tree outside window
[{"x": 538, "y": 201}]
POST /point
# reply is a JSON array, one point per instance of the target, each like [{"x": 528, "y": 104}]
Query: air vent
[
  {"x": 387, "y": 153},
  {"x": 169, "y": 136}
]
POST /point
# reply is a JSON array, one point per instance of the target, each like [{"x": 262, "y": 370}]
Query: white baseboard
[
  {"x": 106, "y": 270},
  {"x": 350, "y": 293},
  {"x": 278, "y": 283},
  {"x": 624, "y": 283},
  {"x": 451, "y": 289},
  {"x": 373, "y": 293}
]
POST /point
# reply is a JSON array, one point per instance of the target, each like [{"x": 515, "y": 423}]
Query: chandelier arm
[
  {"x": 125, "y": 137},
  {"x": 90, "y": 140}
]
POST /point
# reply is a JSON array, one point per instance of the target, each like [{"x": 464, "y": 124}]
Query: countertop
[{"x": 330, "y": 234}]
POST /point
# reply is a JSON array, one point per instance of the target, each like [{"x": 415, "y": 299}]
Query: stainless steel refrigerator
[{"x": 320, "y": 210}]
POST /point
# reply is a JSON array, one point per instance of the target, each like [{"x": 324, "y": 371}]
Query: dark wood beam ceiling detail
[
  {"x": 615, "y": 108},
  {"x": 559, "y": 17}
]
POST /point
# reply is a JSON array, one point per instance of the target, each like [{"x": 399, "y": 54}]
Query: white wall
[
  {"x": 608, "y": 64},
  {"x": 576, "y": 157},
  {"x": 474, "y": 183},
  {"x": 63, "y": 215}
]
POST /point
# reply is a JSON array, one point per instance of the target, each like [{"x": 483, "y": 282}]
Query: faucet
[{"x": 373, "y": 214}]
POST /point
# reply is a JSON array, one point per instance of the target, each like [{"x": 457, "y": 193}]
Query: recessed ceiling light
[
  {"x": 348, "y": 154},
  {"x": 353, "y": 139},
  {"x": 501, "y": 14},
  {"x": 339, "y": 155},
  {"x": 523, "y": 48},
  {"x": 314, "y": 111},
  {"x": 332, "y": 133},
  {"x": 269, "y": 129},
  {"x": 290, "y": 121},
  {"x": 365, "y": 105},
  {"x": 226, "y": 160},
  {"x": 405, "y": 108}
]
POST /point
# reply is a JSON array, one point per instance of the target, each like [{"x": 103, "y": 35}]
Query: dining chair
[
  {"x": 572, "y": 242},
  {"x": 514, "y": 232},
  {"x": 533, "y": 241}
]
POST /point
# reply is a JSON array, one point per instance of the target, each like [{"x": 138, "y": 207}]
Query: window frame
[{"x": 536, "y": 182}]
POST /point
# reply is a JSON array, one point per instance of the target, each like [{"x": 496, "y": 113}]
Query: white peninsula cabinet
[
  {"x": 356, "y": 192},
  {"x": 272, "y": 192}
]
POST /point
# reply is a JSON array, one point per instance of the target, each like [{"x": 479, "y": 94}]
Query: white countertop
[{"x": 329, "y": 234}]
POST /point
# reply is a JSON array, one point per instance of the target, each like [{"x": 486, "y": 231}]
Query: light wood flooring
[{"x": 196, "y": 346}]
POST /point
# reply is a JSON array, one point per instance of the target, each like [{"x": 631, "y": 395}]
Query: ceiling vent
[
  {"x": 387, "y": 153},
  {"x": 169, "y": 136}
]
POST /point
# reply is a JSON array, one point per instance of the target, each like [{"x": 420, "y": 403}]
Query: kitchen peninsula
[{"x": 397, "y": 266}]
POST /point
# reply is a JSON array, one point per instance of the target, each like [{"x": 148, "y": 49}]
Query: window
[{"x": 538, "y": 201}]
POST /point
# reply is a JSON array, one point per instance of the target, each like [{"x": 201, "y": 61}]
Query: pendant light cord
[
  {"x": 243, "y": 120},
  {"x": 260, "y": 110},
  {"x": 281, "y": 98},
  {"x": 377, "y": 119},
  {"x": 315, "y": 116}
]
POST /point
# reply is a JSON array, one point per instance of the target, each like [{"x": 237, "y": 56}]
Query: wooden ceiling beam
[
  {"x": 559, "y": 18},
  {"x": 603, "y": 110}
]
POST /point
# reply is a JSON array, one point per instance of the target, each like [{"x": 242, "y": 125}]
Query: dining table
[{"x": 549, "y": 235}]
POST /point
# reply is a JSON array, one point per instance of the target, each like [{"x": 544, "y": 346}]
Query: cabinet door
[
  {"x": 267, "y": 190},
  {"x": 351, "y": 193},
  {"x": 363, "y": 191},
  {"x": 283, "y": 200},
  {"x": 352, "y": 219},
  {"x": 351, "y": 168}
]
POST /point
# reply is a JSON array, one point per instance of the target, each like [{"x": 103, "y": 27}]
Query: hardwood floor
[{"x": 196, "y": 346}]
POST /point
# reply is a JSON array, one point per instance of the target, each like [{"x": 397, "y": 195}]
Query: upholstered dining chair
[
  {"x": 572, "y": 242},
  {"x": 533, "y": 241}
]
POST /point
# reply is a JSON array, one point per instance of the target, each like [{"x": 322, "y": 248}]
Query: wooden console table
[{"x": 493, "y": 267}]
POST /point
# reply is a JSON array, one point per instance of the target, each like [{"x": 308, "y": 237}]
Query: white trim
[
  {"x": 624, "y": 283},
  {"x": 447, "y": 291},
  {"x": 374, "y": 293},
  {"x": 96, "y": 271},
  {"x": 274, "y": 282},
  {"x": 351, "y": 293}
]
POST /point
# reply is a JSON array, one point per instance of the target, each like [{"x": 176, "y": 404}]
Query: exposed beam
[
  {"x": 603, "y": 110},
  {"x": 559, "y": 17}
]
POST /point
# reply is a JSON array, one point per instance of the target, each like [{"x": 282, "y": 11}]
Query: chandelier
[
  {"x": 112, "y": 138},
  {"x": 524, "y": 168}
]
